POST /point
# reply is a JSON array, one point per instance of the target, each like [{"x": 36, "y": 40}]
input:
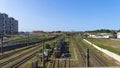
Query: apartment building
[
  {"x": 15, "y": 27},
  {"x": 8, "y": 25}
]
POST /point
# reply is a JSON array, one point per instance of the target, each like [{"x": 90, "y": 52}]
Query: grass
[
  {"x": 71, "y": 49},
  {"x": 81, "y": 46},
  {"x": 28, "y": 64},
  {"x": 105, "y": 58},
  {"x": 79, "y": 57},
  {"x": 111, "y": 45}
]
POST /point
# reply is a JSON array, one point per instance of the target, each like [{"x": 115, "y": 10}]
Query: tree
[
  {"x": 47, "y": 46},
  {"x": 102, "y": 31}
]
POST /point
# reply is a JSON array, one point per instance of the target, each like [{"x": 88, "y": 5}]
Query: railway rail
[
  {"x": 10, "y": 63},
  {"x": 17, "y": 57},
  {"x": 81, "y": 52},
  {"x": 14, "y": 52},
  {"x": 97, "y": 58},
  {"x": 16, "y": 65},
  {"x": 17, "y": 51},
  {"x": 97, "y": 61},
  {"x": 92, "y": 54},
  {"x": 11, "y": 46}
]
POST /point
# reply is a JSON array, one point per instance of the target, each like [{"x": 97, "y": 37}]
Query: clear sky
[{"x": 67, "y": 15}]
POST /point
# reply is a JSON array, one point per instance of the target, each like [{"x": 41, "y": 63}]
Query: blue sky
[{"x": 66, "y": 15}]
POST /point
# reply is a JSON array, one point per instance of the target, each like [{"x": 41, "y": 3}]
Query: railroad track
[
  {"x": 22, "y": 58},
  {"x": 98, "y": 61},
  {"x": 17, "y": 57},
  {"x": 16, "y": 65},
  {"x": 5, "y": 56},
  {"x": 81, "y": 52},
  {"x": 97, "y": 58},
  {"x": 12, "y": 53}
]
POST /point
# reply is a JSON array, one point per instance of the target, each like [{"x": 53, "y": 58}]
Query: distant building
[
  {"x": 118, "y": 35},
  {"x": 15, "y": 27},
  {"x": 3, "y": 23},
  {"x": 92, "y": 36},
  {"x": 37, "y": 32},
  {"x": 100, "y": 35},
  {"x": 8, "y": 25}
]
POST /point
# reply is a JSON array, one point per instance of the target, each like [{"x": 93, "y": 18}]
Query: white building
[
  {"x": 118, "y": 35},
  {"x": 101, "y": 35}
]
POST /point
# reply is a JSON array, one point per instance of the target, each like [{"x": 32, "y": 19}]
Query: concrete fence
[{"x": 109, "y": 53}]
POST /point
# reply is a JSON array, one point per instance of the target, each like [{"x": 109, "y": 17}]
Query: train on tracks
[
  {"x": 58, "y": 48},
  {"x": 7, "y": 47}
]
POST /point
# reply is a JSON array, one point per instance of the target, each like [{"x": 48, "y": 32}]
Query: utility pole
[
  {"x": 2, "y": 44},
  {"x": 87, "y": 58},
  {"x": 28, "y": 39},
  {"x": 43, "y": 55}
]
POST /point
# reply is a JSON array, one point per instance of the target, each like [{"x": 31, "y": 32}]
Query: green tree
[{"x": 47, "y": 46}]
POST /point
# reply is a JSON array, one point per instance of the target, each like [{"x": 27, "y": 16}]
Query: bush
[{"x": 47, "y": 46}]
